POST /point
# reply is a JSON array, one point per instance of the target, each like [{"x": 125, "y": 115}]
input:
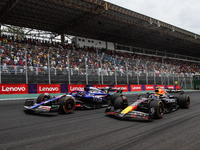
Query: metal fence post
[
  {"x": 138, "y": 81},
  {"x": 115, "y": 71},
  {"x": 127, "y": 73},
  {"x": 68, "y": 67},
  {"x": 49, "y": 69},
  {"x": 101, "y": 68},
  {"x": 86, "y": 71},
  {"x": 26, "y": 65},
  {"x": 154, "y": 74},
  {"x": 146, "y": 72}
]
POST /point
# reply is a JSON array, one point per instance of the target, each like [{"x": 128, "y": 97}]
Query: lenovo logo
[
  {"x": 48, "y": 89},
  {"x": 13, "y": 89}
]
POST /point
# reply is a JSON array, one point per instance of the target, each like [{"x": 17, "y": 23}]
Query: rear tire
[
  {"x": 43, "y": 97},
  {"x": 156, "y": 109},
  {"x": 120, "y": 103},
  {"x": 67, "y": 105},
  {"x": 183, "y": 101}
]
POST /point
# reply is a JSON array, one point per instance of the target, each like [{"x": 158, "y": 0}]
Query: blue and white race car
[{"x": 90, "y": 98}]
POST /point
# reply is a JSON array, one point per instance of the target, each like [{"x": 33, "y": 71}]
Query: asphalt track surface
[{"x": 92, "y": 130}]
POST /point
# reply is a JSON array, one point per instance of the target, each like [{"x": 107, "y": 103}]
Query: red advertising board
[
  {"x": 170, "y": 86},
  {"x": 178, "y": 87},
  {"x": 136, "y": 87},
  {"x": 161, "y": 86},
  {"x": 149, "y": 87},
  {"x": 48, "y": 88},
  {"x": 123, "y": 87},
  {"x": 76, "y": 87},
  {"x": 13, "y": 88},
  {"x": 100, "y": 86}
]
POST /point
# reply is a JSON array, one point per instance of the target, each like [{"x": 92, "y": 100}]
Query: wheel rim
[
  {"x": 69, "y": 105},
  {"x": 188, "y": 101},
  {"x": 161, "y": 109}
]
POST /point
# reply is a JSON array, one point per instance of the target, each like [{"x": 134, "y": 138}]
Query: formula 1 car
[
  {"x": 90, "y": 98},
  {"x": 154, "y": 105}
]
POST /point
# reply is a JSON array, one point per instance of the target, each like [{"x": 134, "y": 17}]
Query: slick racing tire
[
  {"x": 183, "y": 101},
  {"x": 120, "y": 103},
  {"x": 114, "y": 97},
  {"x": 67, "y": 105},
  {"x": 156, "y": 109},
  {"x": 43, "y": 97}
]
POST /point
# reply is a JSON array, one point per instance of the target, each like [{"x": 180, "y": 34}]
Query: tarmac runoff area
[{"x": 33, "y": 96}]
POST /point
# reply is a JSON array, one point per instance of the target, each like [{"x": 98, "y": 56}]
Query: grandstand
[{"x": 137, "y": 49}]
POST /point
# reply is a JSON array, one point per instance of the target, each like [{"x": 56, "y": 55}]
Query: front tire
[
  {"x": 43, "y": 97},
  {"x": 120, "y": 103},
  {"x": 67, "y": 105},
  {"x": 183, "y": 101},
  {"x": 156, "y": 109}
]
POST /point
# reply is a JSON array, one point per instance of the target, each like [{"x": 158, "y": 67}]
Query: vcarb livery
[
  {"x": 89, "y": 98},
  {"x": 48, "y": 88},
  {"x": 136, "y": 87},
  {"x": 14, "y": 88}
]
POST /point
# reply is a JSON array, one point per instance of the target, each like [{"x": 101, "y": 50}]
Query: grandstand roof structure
[{"x": 101, "y": 20}]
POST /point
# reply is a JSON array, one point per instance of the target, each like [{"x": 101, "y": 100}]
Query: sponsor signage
[
  {"x": 161, "y": 86},
  {"x": 101, "y": 86},
  {"x": 178, "y": 87},
  {"x": 122, "y": 87},
  {"x": 170, "y": 86},
  {"x": 75, "y": 87},
  {"x": 48, "y": 88},
  {"x": 13, "y": 88},
  {"x": 149, "y": 87},
  {"x": 136, "y": 87}
]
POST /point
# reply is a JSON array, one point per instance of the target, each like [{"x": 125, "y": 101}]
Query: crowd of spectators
[{"x": 13, "y": 56}]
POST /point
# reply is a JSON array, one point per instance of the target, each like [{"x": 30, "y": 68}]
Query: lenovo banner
[
  {"x": 161, "y": 86},
  {"x": 75, "y": 87},
  {"x": 149, "y": 87},
  {"x": 48, "y": 88},
  {"x": 178, "y": 87},
  {"x": 122, "y": 87},
  {"x": 101, "y": 86},
  {"x": 170, "y": 86},
  {"x": 136, "y": 87},
  {"x": 13, "y": 88}
]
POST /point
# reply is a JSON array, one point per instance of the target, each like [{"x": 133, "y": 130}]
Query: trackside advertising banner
[
  {"x": 101, "y": 86},
  {"x": 13, "y": 88},
  {"x": 178, "y": 87},
  {"x": 149, "y": 87},
  {"x": 75, "y": 87},
  {"x": 161, "y": 86},
  {"x": 48, "y": 88},
  {"x": 123, "y": 87},
  {"x": 170, "y": 86},
  {"x": 136, "y": 87}
]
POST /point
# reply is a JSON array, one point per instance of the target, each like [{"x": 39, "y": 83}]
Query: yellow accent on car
[{"x": 127, "y": 109}]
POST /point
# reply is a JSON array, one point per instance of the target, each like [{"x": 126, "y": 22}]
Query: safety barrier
[{"x": 65, "y": 88}]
